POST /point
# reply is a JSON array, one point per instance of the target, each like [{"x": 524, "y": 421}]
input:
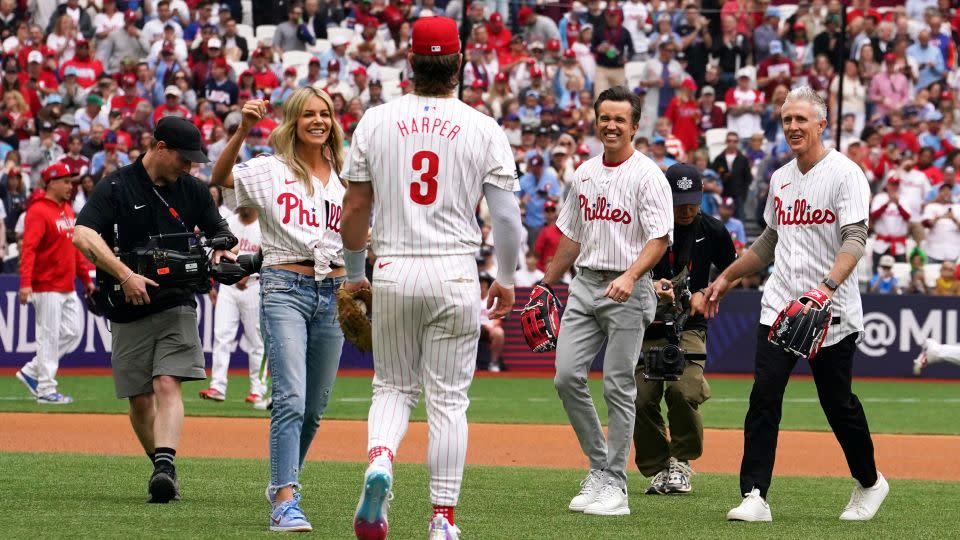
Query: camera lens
[{"x": 671, "y": 356}]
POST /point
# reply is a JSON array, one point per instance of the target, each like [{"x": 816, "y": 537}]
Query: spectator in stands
[
  {"x": 942, "y": 220},
  {"x": 918, "y": 279},
  {"x": 728, "y": 207},
  {"x": 684, "y": 114},
  {"x": 854, "y": 96},
  {"x": 171, "y": 105},
  {"x": 109, "y": 159},
  {"x": 711, "y": 115},
  {"x": 13, "y": 195},
  {"x": 93, "y": 113},
  {"x": 529, "y": 274},
  {"x": 491, "y": 330},
  {"x": 265, "y": 78},
  {"x": 929, "y": 60},
  {"x": 658, "y": 153},
  {"x": 537, "y": 187},
  {"x": 21, "y": 119},
  {"x": 9, "y": 19},
  {"x": 77, "y": 15},
  {"x": 663, "y": 33},
  {"x": 890, "y": 221},
  {"x": 937, "y": 138},
  {"x": 733, "y": 168},
  {"x": 40, "y": 152},
  {"x": 903, "y": 138},
  {"x": 536, "y": 27},
  {"x": 883, "y": 281},
  {"x": 731, "y": 50},
  {"x": 73, "y": 158},
  {"x": 765, "y": 35},
  {"x": 674, "y": 147},
  {"x": 235, "y": 46},
  {"x": 660, "y": 76},
  {"x": 947, "y": 283},
  {"x": 546, "y": 243},
  {"x": 287, "y": 36},
  {"x": 62, "y": 39},
  {"x": 776, "y": 69},
  {"x": 827, "y": 42},
  {"x": 744, "y": 106},
  {"x": 180, "y": 50},
  {"x": 153, "y": 29},
  {"x": 612, "y": 48}
]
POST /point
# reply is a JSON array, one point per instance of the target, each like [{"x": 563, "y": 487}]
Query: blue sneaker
[
  {"x": 55, "y": 398},
  {"x": 288, "y": 517},
  {"x": 370, "y": 521},
  {"x": 27, "y": 381}
]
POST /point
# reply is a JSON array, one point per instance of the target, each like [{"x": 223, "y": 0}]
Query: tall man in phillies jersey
[
  {"x": 48, "y": 267},
  {"x": 616, "y": 225},
  {"x": 238, "y": 303},
  {"x": 422, "y": 162},
  {"x": 816, "y": 217}
]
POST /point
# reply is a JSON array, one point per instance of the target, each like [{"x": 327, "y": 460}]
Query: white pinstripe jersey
[
  {"x": 292, "y": 223},
  {"x": 807, "y": 212},
  {"x": 428, "y": 159},
  {"x": 612, "y": 212}
]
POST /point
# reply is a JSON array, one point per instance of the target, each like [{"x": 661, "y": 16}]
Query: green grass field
[
  {"x": 892, "y": 407},
  {"x": 59, "y": 496}
]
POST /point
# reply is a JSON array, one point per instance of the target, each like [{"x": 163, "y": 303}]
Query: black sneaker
[{"x": 163, "y": 486}]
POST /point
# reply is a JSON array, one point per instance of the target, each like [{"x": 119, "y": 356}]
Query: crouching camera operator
[
  {"x": 140, "y": 220},
  {"x": 674, "y": 345}
]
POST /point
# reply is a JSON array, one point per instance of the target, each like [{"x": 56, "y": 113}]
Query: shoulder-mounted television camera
[{"x": 667, "y": 363}]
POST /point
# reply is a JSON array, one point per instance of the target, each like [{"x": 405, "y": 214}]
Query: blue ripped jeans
[{"x": 303, "y": 341}]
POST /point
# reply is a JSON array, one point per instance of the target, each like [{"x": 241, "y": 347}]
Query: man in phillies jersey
[
  {"x": 48, "y": 266},
  {"x": 616, "y": 225},
  {"x": 421, "y": 164},
  {"x": 816, "y": 217}
]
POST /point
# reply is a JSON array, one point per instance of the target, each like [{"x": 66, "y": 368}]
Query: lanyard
[{"x": 170, "y": 209}]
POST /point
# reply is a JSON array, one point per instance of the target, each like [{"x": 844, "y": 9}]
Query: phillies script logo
[
  {"x": 799, "y": 213},
  {"x": 293, "y": 208},
  {"x": 603, "y": 211}
]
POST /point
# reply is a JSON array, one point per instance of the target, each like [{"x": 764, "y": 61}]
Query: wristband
[
  {"x": 356, "y": 262},
  {"x": 130, "y": 275}
]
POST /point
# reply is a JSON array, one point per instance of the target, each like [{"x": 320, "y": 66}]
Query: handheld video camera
[
  {"x": 190, "y": 269},
  {"x": 668, "y": 362}
]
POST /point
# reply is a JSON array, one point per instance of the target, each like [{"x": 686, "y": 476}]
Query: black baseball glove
[{"x": 540, "y": 319}]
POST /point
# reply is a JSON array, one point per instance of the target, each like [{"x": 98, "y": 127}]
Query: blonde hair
[
  {"x": 21, "y": 102},
  {"x": 283, "y": 139}
]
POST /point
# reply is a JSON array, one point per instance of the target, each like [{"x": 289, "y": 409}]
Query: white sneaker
[
  {"x": 611, "y": 501},
  {"x": 864, "y": 502},
  {"x": 921, "y": 361},
  {"x": 656, "y": 485},
  {"x": 264, "y": 403},
  {"x": 678, "y": 481},
  {"x": 589, "y": 489},
  {"x": 441, "y": 529},
  {"x": 753, "y": 508}
]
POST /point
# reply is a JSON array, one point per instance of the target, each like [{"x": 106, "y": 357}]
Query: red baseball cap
[
  {"x": 946, "y": 96},
  {"x": 496, "y": 17},
  {"x": 570, "y": 53},
  {"x": 583, "y": 150},
  {"x": 478, "y": 84},
  {"x": 360, "y": 70},
  {"x": 333, "y": 65},
  {"x": 290, "y": 71},
  {"x": 553, "y": 44},
  {"x": 550, "y": 205},
  {"x": 131, "y": 16},
  {"x": 167, "y": 47},
  {"x": 57, "y": 170},
  {"x": 315, "y": 60},
  {"x": 689, "y": 85},
  {"x": 128, "y": 79},
  {"x": 890, "y": 57},
  {"x": 524, "y": 13},
  {"x": 435, "y": 36},
  {"x": 535, "y": 72},
  {"x": 536, "y": 161},
  {"x": 404, "y": 83},
  {"x": 893, "y": 180},
  {"x": 500, "y": 77}
]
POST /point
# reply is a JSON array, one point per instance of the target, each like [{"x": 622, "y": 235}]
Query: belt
[
  {"x": 604, "y": 275},
  {"x": 309, "y": 264}
]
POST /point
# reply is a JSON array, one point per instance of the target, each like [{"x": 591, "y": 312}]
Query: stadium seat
[
  {"x": 346, "y": 33},
  {"x": 247, "y": 7},
  {"x": 239, "y": 67},
  {"x": 265, "y": 33},
  {"x": 633, "y": 72},
  {"x": 716, "y": 140},
  {"x": 295, "y": 58},
  {"x": 722, "y": 104},
  {"x": 320, "y": 47},
  {"x": 389, "y": 74},
  {"x": 246, "y": 32},
  {"x": 391, "y": 89},
  {"x": 901, "y": 271},
  {"x": 931, "y": 271}
]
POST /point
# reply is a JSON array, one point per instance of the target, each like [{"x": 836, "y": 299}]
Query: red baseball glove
[
  {"x": 540, "y": 319},
  {"x": 803, "y": 333}
]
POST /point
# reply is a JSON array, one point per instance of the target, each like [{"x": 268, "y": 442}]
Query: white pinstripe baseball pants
[
  {"x": 233, "y": 307},
  {"x": 59, "y": 328},
  {"x": 426, "y": 324}
]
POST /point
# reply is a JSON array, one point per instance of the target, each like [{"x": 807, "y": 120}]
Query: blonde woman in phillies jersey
[{"x": 298, "y": 194}]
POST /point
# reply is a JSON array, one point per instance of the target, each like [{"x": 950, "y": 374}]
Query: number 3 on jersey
[{"x": 424, "y": 190}]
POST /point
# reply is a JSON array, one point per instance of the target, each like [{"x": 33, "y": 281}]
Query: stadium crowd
[{"x": 84, "y": 83}]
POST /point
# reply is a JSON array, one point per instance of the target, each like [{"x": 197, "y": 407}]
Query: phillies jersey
[
  {"x": 807, "y": 211},
  {"x": 613, "y": 211},
  {"x": 428, "y": 159},
  {"x": 248, "y": 235},
  {"x": 891, "y": 223},
  {"x": 293, "y": 224}
]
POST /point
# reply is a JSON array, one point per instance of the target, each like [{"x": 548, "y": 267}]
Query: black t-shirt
[
  {"x": 127, "y": 198},
  {"x": 711, "y": 245}
]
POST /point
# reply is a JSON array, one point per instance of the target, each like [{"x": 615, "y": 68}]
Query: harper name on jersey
[
  {"x": 428, "y": 126},
  {"x": 807, "y": 211}
]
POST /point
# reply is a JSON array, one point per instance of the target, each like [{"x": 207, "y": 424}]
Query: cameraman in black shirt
[
  {"x": 156, "y": 343},
  {"x": 699, "y": 241}
]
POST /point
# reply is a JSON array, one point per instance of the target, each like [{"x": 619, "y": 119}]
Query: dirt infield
[{"x": 798, "y": 454}]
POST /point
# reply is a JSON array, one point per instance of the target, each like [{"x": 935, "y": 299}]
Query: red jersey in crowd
[
  {"x": 31, "y": 88},
  {"x": 164, "y": 110},
  {"x": 207, "y": 127},
  {"x": 905, "y": 140},
  {"x": 79, "y": 163},
  {"x": 88, "y": 71},
  {"x": 266, "y": 79},
  {"x": 25, "y": 52},
  {"x": 685, "y": 117},
  {"x": 50, "y": 262},
  {"x": 546, "y": 245},
  {"x": 772, "y": 67},
  {"x": 126, "y": 104}
]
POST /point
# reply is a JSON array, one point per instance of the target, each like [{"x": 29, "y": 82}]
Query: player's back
[{"x": 427, "y": 158}]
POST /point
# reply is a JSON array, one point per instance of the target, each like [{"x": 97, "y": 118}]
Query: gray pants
[{"x": 588, "y": 319}]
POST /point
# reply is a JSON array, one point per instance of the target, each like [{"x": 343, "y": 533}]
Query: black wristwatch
[{"x": 831, "y": 284}]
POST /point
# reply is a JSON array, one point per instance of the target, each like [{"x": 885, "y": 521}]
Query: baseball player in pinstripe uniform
[
  {"x": 422, "y": 163},
  {"x": 49, "y": 265},
  {"x": 817, "y": 214},
  {"x": 616, "y": 225}
]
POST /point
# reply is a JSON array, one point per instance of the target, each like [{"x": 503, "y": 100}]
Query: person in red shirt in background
[
  {"x": 77, "y": 162},
  {"x": 206, "y": 121},
  {"x": 48, "y": 266},
  {"x": 549, "y": 238},
  {"x": 684, "y": 113},
  {"x": 711, "y": 115},
  {"x": 35, "y": 42},
  {"x": 88, "y": 69},
  {"x": 904, "y": 139},
  {"x": 172, "y": 105},
  {"x": 36, "y": 83},
  {"x": 264, "y": 77},
  {"x": 498, "y": 35},
  {"x": 126, "y": 103},
  {"x": 776, "y": 69}
]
